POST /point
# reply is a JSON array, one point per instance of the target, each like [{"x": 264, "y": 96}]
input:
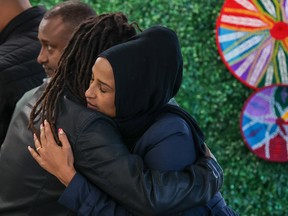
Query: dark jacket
[
  {"x": 26, "y": 189},
  {"x": 19, "y": 69}
]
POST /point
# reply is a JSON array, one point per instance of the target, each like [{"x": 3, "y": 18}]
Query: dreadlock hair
[{"x": 92, "y": 37}]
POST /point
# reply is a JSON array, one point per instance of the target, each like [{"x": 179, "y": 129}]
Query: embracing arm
[
  {"x": 86, "y": 199},
  {"x": 109, "y": 165}
]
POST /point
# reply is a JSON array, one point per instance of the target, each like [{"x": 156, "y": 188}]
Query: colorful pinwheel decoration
[
  {"x": 264, "y": 123},
  {"x": 252, "y": 39}
]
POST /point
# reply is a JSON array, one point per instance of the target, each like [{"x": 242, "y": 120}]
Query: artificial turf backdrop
[{"x": 214, "y": 97}]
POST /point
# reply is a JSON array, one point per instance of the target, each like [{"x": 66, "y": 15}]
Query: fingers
[
  {"x": 47, "y": 138},
  {"x": 37, "y": 143},
  {"x": 37, "y": 157},
  {"x": 34, "y": 154},
  {"x": 42, "y": 135},
  {"x": 48, "y": 133},
  {"x": 63, "y": 138}
]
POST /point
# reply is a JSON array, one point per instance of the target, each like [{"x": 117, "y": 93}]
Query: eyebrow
[
  {"x": 43, "y": 40},
  {"x": 102, "y": 83}
]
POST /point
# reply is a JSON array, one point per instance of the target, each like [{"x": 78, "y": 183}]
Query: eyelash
[
  {"x": 99, "y": 85},
  {"x": 101, "y": 89}
]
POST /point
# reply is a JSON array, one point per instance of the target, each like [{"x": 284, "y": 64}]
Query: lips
[{"x": 89, "y": 105}]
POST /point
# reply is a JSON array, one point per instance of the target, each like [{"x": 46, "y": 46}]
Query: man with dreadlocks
[
  {"x": 55, "y": 30},
  {"x": 100, "y": 155},
  {"x": 97, "y": 148}
]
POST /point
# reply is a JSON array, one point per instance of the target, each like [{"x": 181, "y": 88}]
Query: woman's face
[{"x": 100, "y": 95}]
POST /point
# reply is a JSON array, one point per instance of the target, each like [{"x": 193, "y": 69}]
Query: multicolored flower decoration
[
  {"x": 252, "y": 39},
  {"x": 264, "y": 123}
]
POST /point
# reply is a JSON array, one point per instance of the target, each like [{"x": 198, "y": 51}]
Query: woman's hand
[{"x": 53, "y": 158}]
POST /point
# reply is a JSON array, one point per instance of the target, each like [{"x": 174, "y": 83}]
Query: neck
[{"x": 10, "y": 9}]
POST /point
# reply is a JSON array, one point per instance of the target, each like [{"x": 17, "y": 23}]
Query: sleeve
[
  {"x": 103, "y": 159},
  {"x": 86, "y": 199}
]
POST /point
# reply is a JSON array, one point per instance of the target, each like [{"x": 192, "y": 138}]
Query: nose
[
  {"x": 42, "y": 57},
  {"x": 89, "y": 92}
]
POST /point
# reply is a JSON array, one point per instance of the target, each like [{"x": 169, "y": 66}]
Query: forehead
[
  {"x": 103, "y": 70},
  {"x": 54, "y": 30}
]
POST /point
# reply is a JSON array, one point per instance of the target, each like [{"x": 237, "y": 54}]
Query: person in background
[
  {"x": 55, "y": 30},
  {"x": 19, "y": 47},
  {"x": 16, "y": 197}
]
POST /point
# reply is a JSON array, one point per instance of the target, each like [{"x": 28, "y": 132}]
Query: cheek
[
  {"x": 56, "y": 58},
  {"x": 112, "y": 105},
  {"x": 53, "y": 61},
  {"x": 109, "y": 106}
]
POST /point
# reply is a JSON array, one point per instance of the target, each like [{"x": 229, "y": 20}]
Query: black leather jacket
[{"x": 100, "y": 155}]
